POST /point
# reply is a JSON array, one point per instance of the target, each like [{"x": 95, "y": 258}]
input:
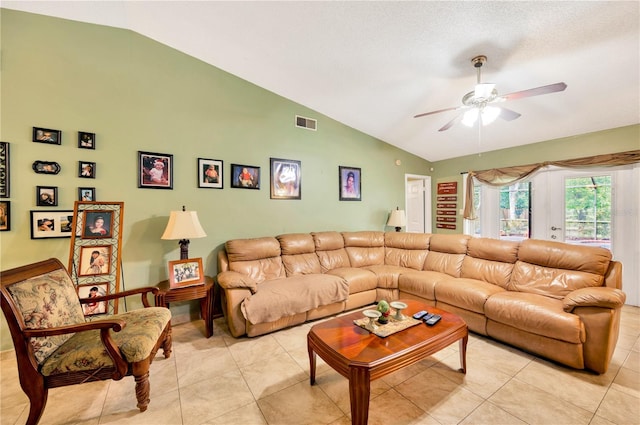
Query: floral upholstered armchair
[{"x": 55, "y": 346}]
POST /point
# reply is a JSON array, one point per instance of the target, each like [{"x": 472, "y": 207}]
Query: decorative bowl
[
  {"x": 373, "y": 315},
  {"x": 399, "y": 306}
]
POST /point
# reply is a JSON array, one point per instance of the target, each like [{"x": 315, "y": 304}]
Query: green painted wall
[
  {"x": 614, "y": 140},
  {"x": 137, "y": 94}
]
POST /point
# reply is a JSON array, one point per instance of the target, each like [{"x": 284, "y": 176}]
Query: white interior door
[{"x": 418, "y": 203}]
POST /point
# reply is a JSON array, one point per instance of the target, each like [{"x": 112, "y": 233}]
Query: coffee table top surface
[{"x": 356, "y": 344}]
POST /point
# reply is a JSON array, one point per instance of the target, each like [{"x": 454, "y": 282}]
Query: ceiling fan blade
[
  {"x": 551, "y": 88},
  {"x": 508, "y": 114},
  {"x": 436, "y": 112},
  {"x": 450, "y": 124}
]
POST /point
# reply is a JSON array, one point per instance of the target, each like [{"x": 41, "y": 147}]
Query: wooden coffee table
[{"x": 361, "y": 356}]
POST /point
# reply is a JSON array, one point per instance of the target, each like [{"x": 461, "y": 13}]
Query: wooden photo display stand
[{"x": 96, "y": 246}]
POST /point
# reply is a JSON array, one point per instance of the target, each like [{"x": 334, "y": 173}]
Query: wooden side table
[{"x": 204, "y": 293}]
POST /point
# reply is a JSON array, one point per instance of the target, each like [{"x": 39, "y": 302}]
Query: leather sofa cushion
[
  {"x": 363, "y": 239},
  {"x": 260, "y": 270},
  {"x": 298, "y": 254},
  {"x": 452, "y": 244},
  {"x": 536, "y": 314},
  {"x": 555, "y": 283},
  {"x": 494, "y": 272},
  {"x": 450, "y": 264},
  {"x": 406, "y": 249},
  {"x": 493, "y": 249},
  {"x": 421, "y": 283},
  {"x": 387, "y": 275},
  {"x": 327, "y": 241},
  {"x": 359, "y": 280},
  {"x": 468, "y": 294},
  {"x": 330, "y": 250},
  {"x": 252, "y": 249},
  {"x": 559, "y": 255},
  {"x": 296, "y": 243},
  {"x": 293, "y": 295},
  {"x": 301, "y": 264}
]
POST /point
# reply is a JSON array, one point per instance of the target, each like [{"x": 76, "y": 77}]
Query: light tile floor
[{"x": 265, "y": 380}]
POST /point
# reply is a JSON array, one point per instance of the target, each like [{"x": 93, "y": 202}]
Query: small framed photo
[
  {"x": 285, "y": 179},
  {"x": 51, "y": 224},
  {"x": 245, "y": 176},
  {"x": 95, "y": 260},
  {"x": 47, "y": 135},
  {"x": 186, "y": 272},
  {"x": 350, "y": 183},
  {"x": 4, "y": 169},
  {"x": 5, "y": 216},
  {"x": 86, "y": 169},
  {"x": 98, "y": 224},
  {"x": 210, "y": 173},
  {"x": 155, "y": 170},
  {"x": 46, "y": 196},
  {"x": 93, "y": 290},
  {"x": 46, "y": 167},
  {"x": 87, "y": 194},
  {"x": 86, "y": 140}
]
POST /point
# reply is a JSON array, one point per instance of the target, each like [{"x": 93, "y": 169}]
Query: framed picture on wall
[
  {"x": 92, "y": 290},
  {"x": 4, "y": 170},
  {"x": 5, "y": 216},
  {"x": 51, "y": 224},
  {"x": 87, "y": 169},
  {"x": 46, "y": 196},
  {"x": 350, "y": 183},
  {"x": 210, "y": 173},
  {"x": 285, "y": 179},
  {"x": 47, "y": 135},
  {"x": 87, "y": 194},
  {"x": 97, "y": 224},
  {"x": 86, "y": 140},
  {"x": 245, "y": 176},
  {"x": 155, "y": 170}
]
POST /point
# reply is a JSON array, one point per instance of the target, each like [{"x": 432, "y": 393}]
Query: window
[
  {"x": 588, "y": 210},
  {"x": 515, "y": 211}
]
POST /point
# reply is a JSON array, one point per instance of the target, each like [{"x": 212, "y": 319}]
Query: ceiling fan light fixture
[
  {"x": 489, "y": 114},
  {"x": 470, "y": 117},
  {"x": 484, "y": 91}
]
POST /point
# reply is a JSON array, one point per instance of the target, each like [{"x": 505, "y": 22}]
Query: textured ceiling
[{"x": 374, "y": 65}]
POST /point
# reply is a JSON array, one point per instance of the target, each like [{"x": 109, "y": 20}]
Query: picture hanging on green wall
[
  {"x": 155, "y": 170},
  {"x": 245, "y": 176},
  {"x": 285, "y": 179}
]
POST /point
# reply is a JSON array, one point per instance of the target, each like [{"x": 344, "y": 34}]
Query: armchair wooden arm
[{"x": 144, "y": 291}]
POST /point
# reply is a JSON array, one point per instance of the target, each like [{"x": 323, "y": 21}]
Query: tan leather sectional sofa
[{"x": 556, "y": 300}]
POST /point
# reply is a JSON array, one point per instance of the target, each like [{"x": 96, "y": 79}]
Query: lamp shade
[
  {"x": 183, "y": 225},
  {"x": 397, "y": 219}
]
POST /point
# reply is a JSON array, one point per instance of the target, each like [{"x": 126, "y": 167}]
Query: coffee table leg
[
  {"x": 359, "y": 391},
  {"x": 312, "y": 364},
  {"x": 463, "y": 354}
]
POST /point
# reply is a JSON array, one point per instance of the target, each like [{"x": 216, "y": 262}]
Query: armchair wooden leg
[
  {"x": 37, "y": 402},
  {"x": 143, "y": 387},
  {"x": 167, "y": 344}
]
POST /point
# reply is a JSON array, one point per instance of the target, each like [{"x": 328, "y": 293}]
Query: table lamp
[
  {"x": 183, "y": 225},
  {"x": 397, "y": 219}
]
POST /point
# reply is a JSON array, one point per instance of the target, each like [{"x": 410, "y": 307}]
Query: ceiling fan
[{"x": 481, "y": 103}]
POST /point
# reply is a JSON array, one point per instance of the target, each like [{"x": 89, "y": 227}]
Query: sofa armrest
[
  {"x": 594, "y": 297},
  {"x": 235, "y": 280}
]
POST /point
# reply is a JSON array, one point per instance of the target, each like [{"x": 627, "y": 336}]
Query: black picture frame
[
  {"x": 47, "y": 135},
  {"x": 285, "y": 178},
  {"x": 87, "y": 194},
  {"x": 210, "y": 173},
  {"x": 86, "y": 170},
  {"x": 46, "y": 167},
  {"x": 86, "y": 140},
  {"x": 245, "y": 176},
  {"x": 92, "y": 229},
  {"x": 46, "y": 196},
  {"x": 155, "y": 170},
  {"x": 5, "y": 216},
  {"x": 48, "y": 224},
  {"x": 350, "y": 190},
  {"x": 4, "y": 170}
]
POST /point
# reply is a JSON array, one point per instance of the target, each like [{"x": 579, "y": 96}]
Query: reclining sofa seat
[{"x": 554, "y": 299}]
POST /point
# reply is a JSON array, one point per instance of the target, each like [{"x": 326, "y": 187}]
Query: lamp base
[
  {"x": 398, "y": 229},
  {"x": 184, "y": 249}
]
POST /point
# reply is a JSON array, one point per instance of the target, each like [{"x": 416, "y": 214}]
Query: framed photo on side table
[
  {"x": 285, "y": 179},
  {"x": 245, "y": 176},
  {"x": 155, "y": 170},
  {"x": 210, "y": 173},
  {"x": 186, "y": 273},
  {"x": 350, "y": 183}
]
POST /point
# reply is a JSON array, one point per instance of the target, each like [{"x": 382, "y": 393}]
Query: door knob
[
  {"x": 556, "y": 228},
  {"x": 554, "y": 237}
]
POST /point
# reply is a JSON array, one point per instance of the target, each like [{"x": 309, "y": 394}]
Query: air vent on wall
[{"x": 308, "y": 123}]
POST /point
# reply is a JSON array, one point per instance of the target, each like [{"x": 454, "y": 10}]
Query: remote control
[
  {"x": 427, "y": 316},
  {"x": 433, "y": 320},
  {"x": 419, "y": 315}
]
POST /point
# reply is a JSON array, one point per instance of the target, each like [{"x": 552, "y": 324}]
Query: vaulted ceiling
[{"x": 373, "y": 65}]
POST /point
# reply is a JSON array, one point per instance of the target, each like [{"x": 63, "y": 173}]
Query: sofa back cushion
[
  {"x": 364, "y": 248},
  {"x": 46, "y": 301},
  {"x": 446, "y": 253},
  {"x": 490, "y": 260},
  {"x": 258, "y": 258},
  {"x": 298, "y": 254},
  {"x": 406, "y": 249},
  {"x": 330, "y": 250},
  {"x": 554, "y": 269}
]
